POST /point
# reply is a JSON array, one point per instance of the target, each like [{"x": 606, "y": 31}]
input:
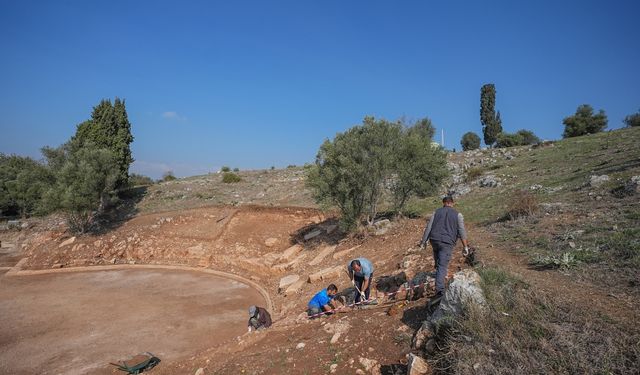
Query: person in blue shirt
[
  {"x": 360, "y": 272},
  {"x": 323, "y": 301}
]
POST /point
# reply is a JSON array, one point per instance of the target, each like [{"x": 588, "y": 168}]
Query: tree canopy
[
  {"x": 584, "y": 121},
  {"x": 470, "y": 141}
]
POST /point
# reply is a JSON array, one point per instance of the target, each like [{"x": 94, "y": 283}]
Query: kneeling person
[
  {"x": 259, "y": 318},
  {"x": 322, "y": 301}
]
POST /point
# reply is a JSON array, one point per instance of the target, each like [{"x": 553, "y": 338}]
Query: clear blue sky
[{"x": 252, "y": 84}]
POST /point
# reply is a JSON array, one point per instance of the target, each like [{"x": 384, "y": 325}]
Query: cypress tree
[{"x": 491, "y": 122}]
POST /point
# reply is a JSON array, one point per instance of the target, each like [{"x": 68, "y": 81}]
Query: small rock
[
  {"x": 595, "y": 181},
  {"x": 572, "y": 244},
  {"x": 57, "y": 265},
  {"x": 359, "y": 372},
  {"x": 269, "y": 242},
  {"x": 286, "y": 281},
  {"x": 200, "y": 371},
  {"x": 333, "y": 368},
  {"x": 300, "y": 346},
  {"x": 312, "y": 234},
  {"x": 489, "y": 181},
  {"x": 370, "y": 365},
  {"x": 417, "y": 365},
  {"x": 67, "y": 242}
]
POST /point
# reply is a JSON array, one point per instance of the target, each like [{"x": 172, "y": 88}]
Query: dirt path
[
  {"x": 620, "y": 307},
  {"x": 77, "y": 322}
]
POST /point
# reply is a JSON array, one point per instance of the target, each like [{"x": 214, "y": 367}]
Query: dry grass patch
[{"x": 526, "y": 332}]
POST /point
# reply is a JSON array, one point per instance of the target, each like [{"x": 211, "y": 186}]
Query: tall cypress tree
[{"x": 491, "y": 122}]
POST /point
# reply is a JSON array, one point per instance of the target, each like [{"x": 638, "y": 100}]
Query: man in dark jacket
[
  {"x": 444, "y": 229},
  {"x": 259, "y": 318}
]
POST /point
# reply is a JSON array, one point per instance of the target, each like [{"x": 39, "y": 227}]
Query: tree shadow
[
  {"x": 326, "y": 232},
  {"x": 123, "y": 211}
]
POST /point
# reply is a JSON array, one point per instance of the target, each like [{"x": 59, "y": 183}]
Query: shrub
[
  {"x": 236, "y": 169},
  {"x": 584, "y": 122},
  {"x": 632, "y": 120},
  {"x": 168, "y": 176},
  {"x": 291, "y": 166},
  {"x": 470, "y": 141},
  {"x": 230, "y": 178},
  {"x": 23, "y": 182},
  {"x": 527, "y": 137},
  {"x": 473, "y": 173},
  {"x": 523, "y": 203},
  {"x": 272, "y": 167},
  {"x": 508, "y": 140},
  {"x": 225, "y": 169},
  {"x": 139, "y": 180}
]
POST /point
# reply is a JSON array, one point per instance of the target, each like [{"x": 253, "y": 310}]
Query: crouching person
[
  {"x": 322, "y": 301},
  {"x": 259, "y": 318}
]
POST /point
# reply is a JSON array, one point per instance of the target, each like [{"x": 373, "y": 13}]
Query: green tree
[
  {"x": 349, "y": 170},
  {"x": 136, "y": 179},
  {"x": 23, "y": 182},
  {"x": 109, "y": 128},
  {"x": 470, "y": 141},
  {"x": 353, "y": 170},
  {"x": 85, "y": 186},
  {"x": 584, "y": 121},
  {"x": 418, "y": 167},
  {"x": 632, "y": 120},
  {"x": 491, "y": 121},
  {"x": 527, "y": 137}
]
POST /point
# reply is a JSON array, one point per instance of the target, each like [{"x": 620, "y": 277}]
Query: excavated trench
[{"x": 78, "y": 322}]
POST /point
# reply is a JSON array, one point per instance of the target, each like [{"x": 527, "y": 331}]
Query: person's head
[
  {"x": 447, "y": 201},
  {"x": 253, "y": 310},
  {"x": 356, "y": 266},
  {"x": 332, "y": 289}
]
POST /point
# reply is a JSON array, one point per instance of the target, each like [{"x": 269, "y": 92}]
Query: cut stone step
[
  {"x": 325, "y": 274},
  {"x": 322, "y": 254}
]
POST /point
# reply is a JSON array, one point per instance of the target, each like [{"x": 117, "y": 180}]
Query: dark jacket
[
  {"x": 446, "y": 225},
  {"x": 262, "y": 320}
]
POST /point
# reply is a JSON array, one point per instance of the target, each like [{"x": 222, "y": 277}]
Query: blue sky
[{"x": 252, "y": 84}]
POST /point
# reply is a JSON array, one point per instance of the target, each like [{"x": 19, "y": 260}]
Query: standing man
[
  {"x": 444, "y": 229},
  {"x": 322, "y": 301},
  {"x": 360, "y": 272}
]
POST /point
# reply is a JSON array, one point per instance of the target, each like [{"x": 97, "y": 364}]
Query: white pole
[{"x": 442, "y": 138}]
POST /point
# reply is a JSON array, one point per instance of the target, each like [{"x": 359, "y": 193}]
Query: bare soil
[{"x": 76, "y": 323}]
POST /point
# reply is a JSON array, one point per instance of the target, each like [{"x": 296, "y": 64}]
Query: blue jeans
[{"x": 442, "y": 256}]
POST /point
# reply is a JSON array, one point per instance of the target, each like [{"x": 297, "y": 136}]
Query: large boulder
[
  {"x": 464, "y": 290},
  {"x": 489, "y": 181}
]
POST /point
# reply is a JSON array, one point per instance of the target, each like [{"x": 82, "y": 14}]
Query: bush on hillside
[
  {"x": 470, "y": 141},
  {"x": 508, "y": 140},
  {"x": 225, "y": 169},
  {"x": 236, "y": 169},
  {"x": 23, "y": 182},
  {"x": 584, "y": 121},
  {"x": 632, "y": 120},
  {"x": 139, "y": 180},
  {"x": 230, "y": 178},
  {"x": 528, "y": 137},
  {"x": 523, "y": 203},
  {"x": 168, "y": 176}
]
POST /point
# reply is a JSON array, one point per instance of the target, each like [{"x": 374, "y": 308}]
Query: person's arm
[
  {"x": 462, "y": 232},
  {"x": 427, "y": 231},
  {"x": 365, "y": 284}
]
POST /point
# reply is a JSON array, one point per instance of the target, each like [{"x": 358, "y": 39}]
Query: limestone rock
[
  {"x": 300, "y": 346},
  {"x": 343, "y": 253},
  {"x": 322, "y": 254},
  {"x": 370, "y": 365},
  {"x": 489, "y": 181},
  {"x": 290, "y": 253},
  {"x": 595, "y": 181},
  {"x": 325, "y": 274},
  {"x": 417, "y": 365},
  {"x": 200, "y": 371},
  {"x": 422, "y": 335},
  {"x": 381, "y": 227},
  {"x": 295, "y": 287},
  {"x": 67, "y": 242},
  {"x": 464, "y": 289},
  {"x": 286, "y": 281},
  {"x": 312, "y": 234},
  {"x": 270, "y": 242}
]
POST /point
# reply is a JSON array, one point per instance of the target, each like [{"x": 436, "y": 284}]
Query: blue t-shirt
[
  {"x": 320, "y": 299},
  {"x": 367, "y": 268}
]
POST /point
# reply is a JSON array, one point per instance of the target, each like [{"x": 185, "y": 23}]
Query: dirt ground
[{"x": 76, "y": 323}]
